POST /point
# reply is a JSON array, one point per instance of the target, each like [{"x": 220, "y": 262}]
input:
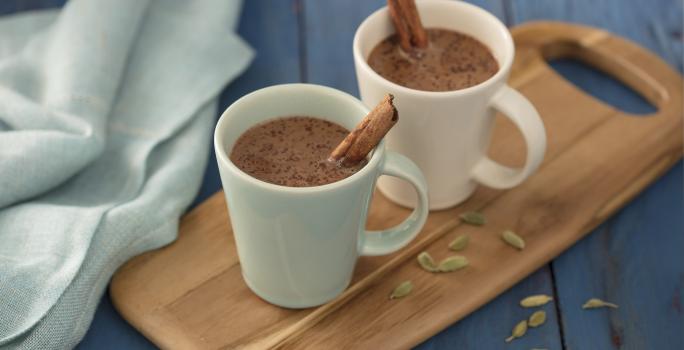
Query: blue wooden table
[{"x": 635, "y": 259}]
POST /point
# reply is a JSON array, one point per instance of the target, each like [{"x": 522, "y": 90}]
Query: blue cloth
[{"x": 106, "y": 114}]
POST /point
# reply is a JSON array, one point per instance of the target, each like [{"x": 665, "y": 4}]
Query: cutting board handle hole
[{"x": 604, "y": 78}]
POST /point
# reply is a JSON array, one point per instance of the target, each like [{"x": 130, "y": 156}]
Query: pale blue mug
[{"x": 298, "y": 245}]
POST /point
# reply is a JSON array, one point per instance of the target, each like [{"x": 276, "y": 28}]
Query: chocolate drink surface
[
  {"x": 451, "y": 61},
  {"x": 292, "y": 151}
]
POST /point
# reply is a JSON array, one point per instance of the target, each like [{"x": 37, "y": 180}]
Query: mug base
[
  {"x": 410, "y": 202},
  {"x": 294, "y": 303}
]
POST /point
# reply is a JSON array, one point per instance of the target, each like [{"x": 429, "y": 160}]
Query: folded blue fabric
[{"x": 106, "y": 113}]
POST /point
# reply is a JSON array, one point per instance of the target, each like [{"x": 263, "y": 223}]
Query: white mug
[
  {"x": 298, "y": 245},
  {"x": 447, "y": 133}
]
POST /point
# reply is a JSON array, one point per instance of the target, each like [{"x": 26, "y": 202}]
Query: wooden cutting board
[{"x": 191, "y": 295}]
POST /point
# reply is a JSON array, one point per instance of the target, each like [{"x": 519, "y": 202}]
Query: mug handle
[
  {"x": 392, "y": 239},
  {"x": 522, "y": 113}
]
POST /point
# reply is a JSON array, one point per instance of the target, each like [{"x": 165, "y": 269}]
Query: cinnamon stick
[
  {"x": 367, "y": 134},
  {"x": 407, "y": 23}
]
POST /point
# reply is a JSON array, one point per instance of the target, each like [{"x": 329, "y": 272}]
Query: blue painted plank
[
  {"x": 109, "y": 331},
  {"x": 655, "y": 24},
  {"x": 487, "y": 327},
  {"x": 603, "y": 86},
  {"x": 634, "y": 259},
  {"x": 8, "y": 7}
]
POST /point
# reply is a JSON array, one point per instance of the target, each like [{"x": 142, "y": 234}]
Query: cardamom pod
[
  {"x": 535, "y": 300},
  {"x": 453, "y": 263},
  {"x": 514, "y": 240},
  {"x": 473, "y": 218},
  {"x": 594, "y": 303},
  {"x": 459, "y": 243},
  {"x": 426, "y": 262},
  {"x": 537, "y": 319},
  {"x": 402, "y": 290},
  {"x": 518, "y": 331}
]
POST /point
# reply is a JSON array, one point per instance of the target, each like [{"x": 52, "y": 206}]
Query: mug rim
[
  {"x": 377, "y": 154},
  {"x": 504, "y": 68}
]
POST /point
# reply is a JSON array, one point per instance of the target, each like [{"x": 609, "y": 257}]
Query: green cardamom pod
[
  {"x": 459, "y": 243},
  {"x": 514, "y": 240},
  {"x": 426, "y": 262},
  {"x": 594, "y": 303},
  {"x": 518, "y": 331},
  {"x": 537, "y": 319},
  {"x": 401, "y": 290},
  {"x": 473, "y": 218},
  {"x": 453, "y": 263},
  {"x": 535, "y": 300}
]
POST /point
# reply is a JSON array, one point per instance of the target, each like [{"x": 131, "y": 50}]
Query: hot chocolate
[
  {"x": 292, "y": 151},
  {"x": 450, "y": 61}
]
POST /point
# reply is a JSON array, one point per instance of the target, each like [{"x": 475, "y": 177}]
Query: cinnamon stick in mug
[
  {"x": 407, "y": 23},
  {"x": 367, "y": 134}
]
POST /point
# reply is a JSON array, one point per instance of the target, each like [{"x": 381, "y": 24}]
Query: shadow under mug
[
  {"x": 298, "y": 245},
  {"x": 447, "y": 133}
]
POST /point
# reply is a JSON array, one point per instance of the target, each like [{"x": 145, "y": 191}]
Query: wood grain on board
[{"x": 190, "y": 293}]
